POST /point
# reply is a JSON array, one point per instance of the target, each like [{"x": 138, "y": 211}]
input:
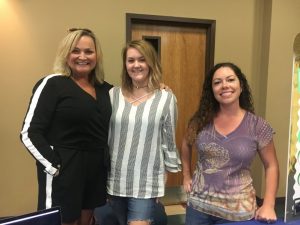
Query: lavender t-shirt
[{"x": 222, "y": 183}]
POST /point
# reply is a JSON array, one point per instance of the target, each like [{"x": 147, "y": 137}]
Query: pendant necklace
[{"x": 137, "y": 87}]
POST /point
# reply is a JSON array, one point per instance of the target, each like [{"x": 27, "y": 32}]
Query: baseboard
[{"x": 173, "y": 196}]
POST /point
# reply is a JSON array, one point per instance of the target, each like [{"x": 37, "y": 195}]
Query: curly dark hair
[{"x": 209, "y": 106}]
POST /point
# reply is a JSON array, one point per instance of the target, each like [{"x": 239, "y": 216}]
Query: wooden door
[{"x": 183, "y": 53}]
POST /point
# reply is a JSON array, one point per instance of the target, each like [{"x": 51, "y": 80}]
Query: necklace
[
  {"x": 138, "y": 99},
  {"x": 137, "y": 87}
]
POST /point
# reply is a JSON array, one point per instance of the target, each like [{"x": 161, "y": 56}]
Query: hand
[
  {"x": 57, "y": 171},
  {"x": 187, "y": 184},
  {"x": 164, "y": 87},
  {"x": 266, "y": 214}
]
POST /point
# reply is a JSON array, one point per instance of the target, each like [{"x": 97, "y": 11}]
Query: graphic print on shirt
[
  {"x": 212, "y": 158},
  {"x": 225, "y": 188}
]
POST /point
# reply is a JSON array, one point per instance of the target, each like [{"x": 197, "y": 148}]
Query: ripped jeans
[{"x": 129, "y": 209}]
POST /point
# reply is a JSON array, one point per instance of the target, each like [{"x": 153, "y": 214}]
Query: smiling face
[
  {"x": 137, "y": 67},
  {"x": 83, "y": 58},
  {"x": 226, "y": 86}
]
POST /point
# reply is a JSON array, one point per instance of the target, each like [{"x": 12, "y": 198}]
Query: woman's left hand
[
  {"x": 164, "y": 87},
  {"x": 266, "y": 214}
]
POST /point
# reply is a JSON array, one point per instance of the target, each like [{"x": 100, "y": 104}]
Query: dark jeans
[{"x": 195, "y": 217}]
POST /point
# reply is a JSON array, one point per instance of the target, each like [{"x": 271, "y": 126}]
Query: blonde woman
[
  {"x": 142, "y": 136},
  {"x": 66, "y": 129}
]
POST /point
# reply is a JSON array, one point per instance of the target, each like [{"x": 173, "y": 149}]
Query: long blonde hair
[
  {"x": 67, "y": 45},
  {"x": 155, "y": 70}
]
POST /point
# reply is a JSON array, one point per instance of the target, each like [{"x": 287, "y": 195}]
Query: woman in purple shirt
[{"x": 227, "y": 134}]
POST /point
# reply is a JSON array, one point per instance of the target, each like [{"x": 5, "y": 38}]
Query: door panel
[{"x": 182, "y": 54}]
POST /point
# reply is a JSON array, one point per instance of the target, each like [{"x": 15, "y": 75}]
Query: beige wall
[
  {"x": 284, "y": 30},
  {"x": 255, "y": 34}
]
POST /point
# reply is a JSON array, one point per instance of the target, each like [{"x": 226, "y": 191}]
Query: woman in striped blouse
[{"x": 141, "y": 136}]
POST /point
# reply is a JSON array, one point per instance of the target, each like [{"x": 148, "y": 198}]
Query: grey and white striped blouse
[{"x": 142, "y": 144}]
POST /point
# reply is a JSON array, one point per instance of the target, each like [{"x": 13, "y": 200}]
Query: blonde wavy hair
[
  {"x": 155, "y": 69},
  {"x": 68, "y": 44}
]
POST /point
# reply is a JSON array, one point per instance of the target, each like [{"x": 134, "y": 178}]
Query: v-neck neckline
[
  {"x": 142, "y": 103},
  {"x": 84, "y": 91},
  {"x": 227, "y": 136}
]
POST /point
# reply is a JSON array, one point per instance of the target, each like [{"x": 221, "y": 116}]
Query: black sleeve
[
  {"x": 108, "y": 85},
  {"x": 37, "y": 120}
]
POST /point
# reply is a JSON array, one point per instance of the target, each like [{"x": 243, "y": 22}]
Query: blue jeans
[
  {"x": 104, "y": 215},
  {"x": 129, "y": 209},
  {"x": 195, "y": 217}
]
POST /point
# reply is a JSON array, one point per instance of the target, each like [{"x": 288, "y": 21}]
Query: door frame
[{"x": 208, "y": 25}]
